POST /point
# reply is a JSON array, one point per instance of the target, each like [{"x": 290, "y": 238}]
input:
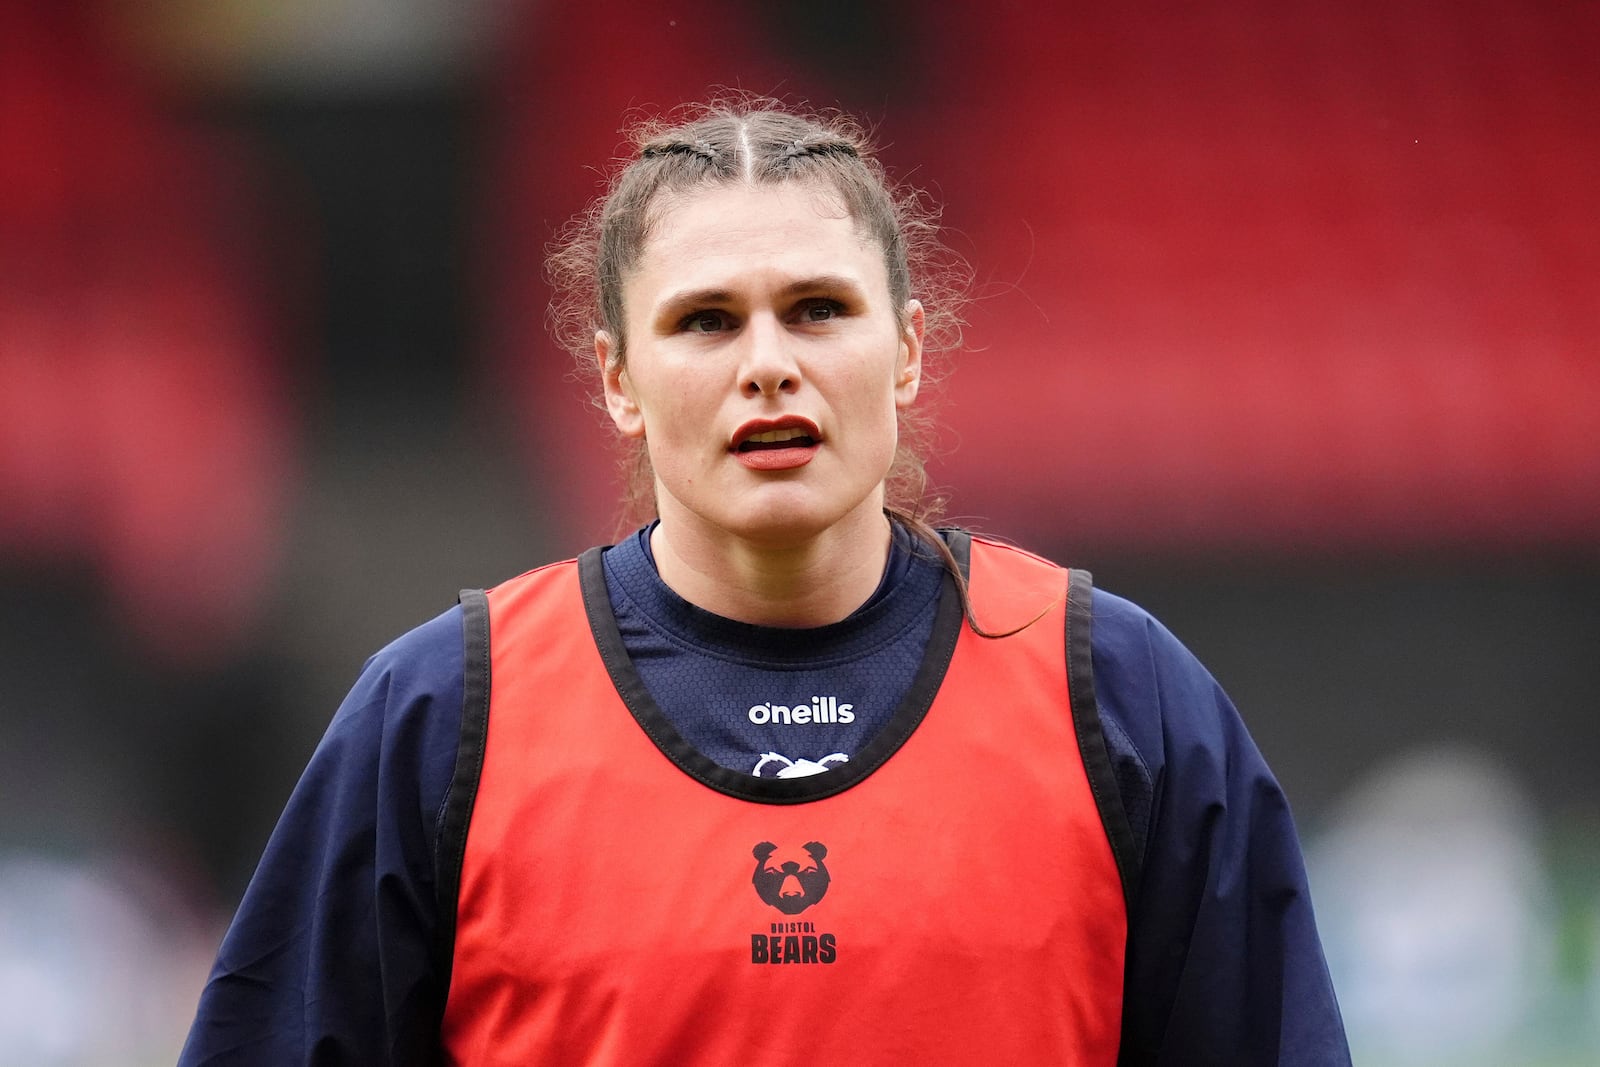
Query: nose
[{"x": 768, "y": 365}]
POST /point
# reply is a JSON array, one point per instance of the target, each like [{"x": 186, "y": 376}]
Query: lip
[
  {"x": 787, "y": 422},
  {"x": 781, "y": 458}
]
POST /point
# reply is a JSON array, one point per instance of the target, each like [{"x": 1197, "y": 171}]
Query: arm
[
  {"x": 1224, "y": 963},
  {"x": 331, "y": 958}
]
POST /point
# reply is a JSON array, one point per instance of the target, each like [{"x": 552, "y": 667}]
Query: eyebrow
[
  {"x": 681, "y": 303},
  {"x": 688, "y": 300}
]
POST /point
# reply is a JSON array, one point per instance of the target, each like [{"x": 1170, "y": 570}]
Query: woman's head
[{"x": 728, "y": 145}]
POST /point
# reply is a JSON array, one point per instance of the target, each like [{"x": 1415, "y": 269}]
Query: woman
[{"x": 786, "y": 776}]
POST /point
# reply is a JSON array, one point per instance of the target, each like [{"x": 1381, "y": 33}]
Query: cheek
[
  {"x": 674, "y": 418},
  {"x": 872, "y": 402},
  {"x": 668, "y": 403},
  {"x": 679, "y": 434}
]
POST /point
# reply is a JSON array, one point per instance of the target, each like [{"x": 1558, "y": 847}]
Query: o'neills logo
[
  {"x": 820, "y": 710},
  {"x": 792, "y": 880}
]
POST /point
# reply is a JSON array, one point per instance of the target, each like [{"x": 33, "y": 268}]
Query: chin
[
  {"x": 778, "y": 526},
  {"x": 773, "y": 513},
  {"x": 787, "y": 519}
]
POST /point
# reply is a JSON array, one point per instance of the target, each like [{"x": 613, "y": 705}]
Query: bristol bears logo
[{"x": 791, "y": 880}]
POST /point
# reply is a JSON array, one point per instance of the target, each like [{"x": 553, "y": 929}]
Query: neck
[{"x": 810, "y": 583}]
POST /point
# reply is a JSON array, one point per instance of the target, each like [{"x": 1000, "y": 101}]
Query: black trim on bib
[
  {"x": 1091, "y": 736},
  {"x": 913, "y": 707},
  {"x": 456, "y": 815}
]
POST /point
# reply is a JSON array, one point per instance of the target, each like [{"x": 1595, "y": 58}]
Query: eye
[
  {"x": 704, "y": 322},
  {"x": 820, "y": 310}
]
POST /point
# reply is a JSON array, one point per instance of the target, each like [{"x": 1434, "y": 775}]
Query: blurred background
[{"x": 1286, "y": 323}]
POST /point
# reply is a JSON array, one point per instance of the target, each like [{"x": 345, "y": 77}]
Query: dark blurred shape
[
  {"x": 143, "y": 421},
  {"x": 863, "y": 51},
  {"x": 383, "y": 181}
]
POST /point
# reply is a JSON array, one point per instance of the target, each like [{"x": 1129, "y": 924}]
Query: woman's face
[{"x": 765, "y": 364}]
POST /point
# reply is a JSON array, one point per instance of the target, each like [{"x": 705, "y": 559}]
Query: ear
[
  {"x": 620, "y": 403},
  {"x": 908, "y": 370}
]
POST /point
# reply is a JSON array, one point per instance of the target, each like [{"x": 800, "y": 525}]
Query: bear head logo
[{"x": 791, "y": 880}]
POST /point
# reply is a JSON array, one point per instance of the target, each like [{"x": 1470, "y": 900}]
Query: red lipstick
[{"x": 776, "y": 444}]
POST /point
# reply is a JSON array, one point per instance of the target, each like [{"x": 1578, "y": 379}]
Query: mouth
[
  {"x": 790, "y": 437},
  {"x": 790, "y": 431},
  {"x": 776, "y": 444}
]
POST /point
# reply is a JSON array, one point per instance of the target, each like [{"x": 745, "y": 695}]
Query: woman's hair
[{"x": 756, "y": 141}]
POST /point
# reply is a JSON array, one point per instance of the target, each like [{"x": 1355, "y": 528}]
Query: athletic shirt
[
  {"x": 339, "y": 950},
  {"x": 770, "y": 701}
]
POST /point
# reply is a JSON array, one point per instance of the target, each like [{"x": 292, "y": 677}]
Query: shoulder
[
  {"x": 399, "y": 726},
  {"x": 1152, "y": 692},
  {"x": 1136, "y": 655},
  {"x": 541, "y": 578},
  {"x": 425, "y": 658},
  {"x": 997, "y": 548},
  {"x": 414, "y": 678},
  {"x": 1128, "y": 641},
  {"x": 1162, "y": 710}
]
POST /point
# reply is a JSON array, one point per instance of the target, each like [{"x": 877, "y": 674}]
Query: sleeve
[
  {"x": 332, "y": 955},
  {"x": 1224, "y": 965}
]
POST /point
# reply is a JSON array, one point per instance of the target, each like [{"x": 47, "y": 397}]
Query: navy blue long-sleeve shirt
[{"x": 334, "y": 955}]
